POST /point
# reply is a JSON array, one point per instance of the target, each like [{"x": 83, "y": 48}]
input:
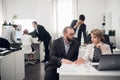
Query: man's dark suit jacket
[
  {"x": 58, "y": 52},
  {"x": 81, "y": 30},
  {"x": 43, "y": 34}
]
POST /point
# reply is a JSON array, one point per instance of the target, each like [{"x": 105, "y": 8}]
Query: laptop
[{"x": 108, "y": 62}]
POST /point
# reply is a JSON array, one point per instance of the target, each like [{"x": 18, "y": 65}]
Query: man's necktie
[{"x": 97, "y": 54}]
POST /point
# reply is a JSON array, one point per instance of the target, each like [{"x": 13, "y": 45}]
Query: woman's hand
[{"x": 79, "y": 61}]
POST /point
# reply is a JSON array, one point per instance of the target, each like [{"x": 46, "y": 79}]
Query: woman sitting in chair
[
  {"x": 27, "y": 40},
  {"x": 95, "y": 49}
]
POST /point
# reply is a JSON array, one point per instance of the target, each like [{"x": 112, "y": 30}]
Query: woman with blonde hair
[{"x": 96, "y": 48}]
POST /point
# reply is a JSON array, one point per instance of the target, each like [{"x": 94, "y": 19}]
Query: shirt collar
[{"x": 66, "y": 42}]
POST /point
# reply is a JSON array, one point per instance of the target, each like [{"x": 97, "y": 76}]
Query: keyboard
[{"x": 4, "y": 52}]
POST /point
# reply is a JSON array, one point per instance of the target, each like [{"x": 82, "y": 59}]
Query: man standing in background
[
  {"x": 80, "y": 28},
  {"x": 44, "y": 36}
]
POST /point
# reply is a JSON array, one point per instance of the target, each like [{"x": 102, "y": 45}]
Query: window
[
  {"x": 62, "y": 14},
  {"x": 23, "y": 24}
]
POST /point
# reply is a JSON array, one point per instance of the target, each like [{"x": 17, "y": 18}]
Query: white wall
[
  {"x": 1, "y": 17},
  {"x": 29, "y": 9},
  {"x": 93, "y": 11},
  {"x": 41, "y": 10},
  {"x": 118, "y": 34},
  {"x": 113, "y": 7}
]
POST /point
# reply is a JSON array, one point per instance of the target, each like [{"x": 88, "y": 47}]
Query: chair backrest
[
  {"x": 4, "y": 43},
  {"x": 107, "y": 39},
  {"x": 88, "y": 39},
  {"x": 26, "y": 49}
]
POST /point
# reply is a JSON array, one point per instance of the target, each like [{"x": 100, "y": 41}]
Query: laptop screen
[{"x": 109, "y": 62}]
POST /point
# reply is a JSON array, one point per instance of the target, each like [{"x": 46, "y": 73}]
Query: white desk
[
  {"x": 116, "y": 51},
  {"x": 74, "y": 72},
  {"x": 81, "y": 51},
  {"x": 12, "y": 66}
]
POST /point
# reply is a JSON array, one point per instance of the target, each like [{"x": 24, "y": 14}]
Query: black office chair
[
  {"x": 107, "y": 41},
  {"x": 4, "y": 43},
  {"x": 88, "y": 39}
]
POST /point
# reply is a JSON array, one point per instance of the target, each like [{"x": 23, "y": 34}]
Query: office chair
[
  {"x": 4, "y": 43},
  {"x": 107, "y": 41},
  {"x": 27, "y": 50}
]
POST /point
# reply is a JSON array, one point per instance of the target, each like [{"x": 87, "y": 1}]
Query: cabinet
[
  {"x": 8, "y": 67},
  {"x": 12, "y": 66}
]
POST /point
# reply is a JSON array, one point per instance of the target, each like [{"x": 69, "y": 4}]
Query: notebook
[{"x": 109, "y": 62}]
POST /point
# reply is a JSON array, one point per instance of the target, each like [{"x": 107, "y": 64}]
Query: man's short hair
[
  {"x": 82, "y": 17},
  {"x": 34, "y": 22},
  {"x": 66, "y": 28}
]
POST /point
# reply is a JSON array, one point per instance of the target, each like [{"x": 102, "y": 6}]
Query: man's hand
[
  {"x": 66, "y": 61},
  {"x": 79, "y": 61},
  {"x": 77, "y": 24}
]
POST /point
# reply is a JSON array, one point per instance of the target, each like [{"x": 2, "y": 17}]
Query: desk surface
[
  {"x": 1, "y": 57},
  {"x": 84, "y": 70}
]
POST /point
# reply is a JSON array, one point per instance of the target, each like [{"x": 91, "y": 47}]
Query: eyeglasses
[{"x": 71, "y": 34}]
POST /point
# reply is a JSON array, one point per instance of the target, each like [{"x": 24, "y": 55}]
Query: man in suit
[
  {"x": 79, "y": 27},
  {"x": 9, "y": 33},
  {"x": 64, "y": 50},
  {"x": 44, "y": 36}
]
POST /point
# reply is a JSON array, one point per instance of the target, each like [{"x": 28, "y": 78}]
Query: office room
[{"x": 59, "y": 39}]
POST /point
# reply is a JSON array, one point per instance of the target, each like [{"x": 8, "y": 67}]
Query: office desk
[
  {"x": 12, "y": 66},
  {"x": 116, "y": 51},
  {"x": 85, "y": 72}
]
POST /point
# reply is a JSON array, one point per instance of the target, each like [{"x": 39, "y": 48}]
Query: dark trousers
[
  {"x": 78, "y": 41},
  {"x": 47, "y": 48},
  {"x": 51, "y": 74},
  {"x": 80, "y": 37}
]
